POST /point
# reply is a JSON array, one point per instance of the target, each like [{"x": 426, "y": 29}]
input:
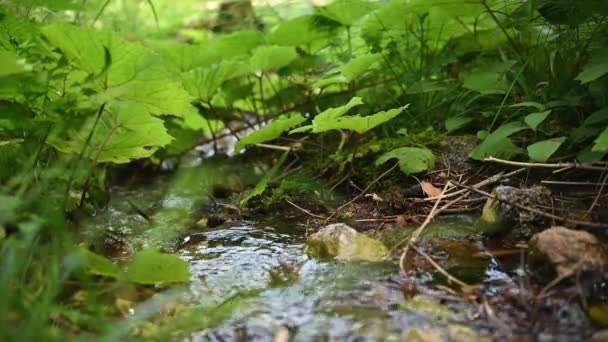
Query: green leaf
[
  {"x": 271, "y": 131},
  {"x": 601, "y": 143},
  {"x": 331, "y": 113},
  {"x": 497, "y": 143},
  {"x": 359, "y": 124},
  {"x": 150, "y": 267},
  {"x": 346, "y": 12},
  {"x": 538, "y": 106},
  {"x": 359, "y": 65},
  {"x": 411, "y": 159},
  {"x": 300, "y": 31},
  {"x": 596, "y": 68},
  {"x": 543, "y": 150},
  {"x": 489, "y": 78},
  {"x": 11, "y": 64},
  {"x": 263, "y": 183},
  {"x": 457, "y": 122},
  {"x": 96, "y": 264},
  {"x": 535, "y": 119},
  {"x": 83, "y": 47},
  {"x": 124, "y": 133},
  {"x": 270, "y": 58},
  {"x": 592, "y": 125},
  {"x": 204, "y": 83}
]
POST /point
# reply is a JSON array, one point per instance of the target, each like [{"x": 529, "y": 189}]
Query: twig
[
  {"x": 597, "y": 197},
  {"x": 274, "y": 147},
  {"x": 548, "y": 182},
  {"x": 536, "y": 211},
  {"x": 441, "y": 270},
  {"x": 364, "y": 190},
  {"x": 306, "y": 211},
  {"x": 581, "y": 166},
  {"x": 481, "y": 184},
  {"x": 414, "y": 237}
]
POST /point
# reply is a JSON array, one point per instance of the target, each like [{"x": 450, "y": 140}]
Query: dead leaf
[{"x": 429, "y": 189}]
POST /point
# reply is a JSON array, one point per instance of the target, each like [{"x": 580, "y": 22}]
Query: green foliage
[
  {"x": 96, "y": 264},
  {"x": 271, "y": 131},
  {"x": 497, "y": 144},
  {"x": 261, "y": 186},
  {"x": 541, "y": 151},
  {"x": 270, "y": 58},
  {"x": 411, "y": 159},
  {"x": 596, "y": 68},
  {"x": 535, "y": 119},
  {"x": 150, "y": 266}
]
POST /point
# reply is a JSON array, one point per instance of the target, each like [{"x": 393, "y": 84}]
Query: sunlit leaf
[
  {"x": 270, "y": 58},
  {"x": 346, "y": 12},
  {"x": 411, "y": 159},
  {"x": 359, "y": 124},
  {"x": 124, "y": 133},
  {"x": 543, "y": 150},
  {"x": 271, "y": 131},
  {"x": 150, "y": 267},
  {"x": 11, "y": 64},
  {"x": 330, "y": 114}
]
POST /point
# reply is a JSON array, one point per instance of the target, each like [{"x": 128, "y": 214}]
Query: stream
[{"x": 279, "y": 291}]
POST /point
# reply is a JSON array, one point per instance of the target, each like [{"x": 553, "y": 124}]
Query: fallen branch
[
  {"x": 536, "y": 211},
  {"x": 485, "y": 182},
  {"x": 307, "y": 212},
  {"x": 581, "y": 166}
]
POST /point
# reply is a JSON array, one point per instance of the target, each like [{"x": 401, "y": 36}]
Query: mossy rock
[{"x": 342, "y": 242}]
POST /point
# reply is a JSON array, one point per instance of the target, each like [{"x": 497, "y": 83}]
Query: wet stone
[
  {"x": 343, "y": 242},
  {"x": 519, "y": 223},
  {"x": 566, "y": 252}
]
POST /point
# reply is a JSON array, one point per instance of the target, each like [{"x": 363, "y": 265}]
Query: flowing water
[{"x": 262, "y": 266}]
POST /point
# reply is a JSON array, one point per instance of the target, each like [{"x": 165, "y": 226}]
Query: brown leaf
[{"x": 429, "y": 189}]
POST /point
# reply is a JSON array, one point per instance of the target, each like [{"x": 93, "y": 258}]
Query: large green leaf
[
  {"x": 300, "y": 31},
  {"x": 271, "y": 131},
  {"x": 359, "y": 124},
  {"x": 204, "y": 83},
  {"x": 596, "y": 68},
  {"x": 411, "y": 159},
  {"x": 346, "y": 12},
  {"x": 488, "y": 78},
  {"x": 330, "y": 114},
  {"x": 124, "y": 133},
  {"x": 83, "y": 47},
  {"x": 96, "y": 264},
  {"x": 601, "y": 143},
  {"x": 535, "y": 119},
  {"x": 270, "y": 58},
  {"x": 359, "y": 65},
  {"x": 543, "y": 150},
  {"x": 150, "y": 267},
  {"x": 498, "y": 144}
]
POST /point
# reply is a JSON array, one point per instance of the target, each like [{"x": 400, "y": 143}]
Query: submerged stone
[
  {"x": 503, "y": 216},
  {"x": 343, "y": 242}
]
